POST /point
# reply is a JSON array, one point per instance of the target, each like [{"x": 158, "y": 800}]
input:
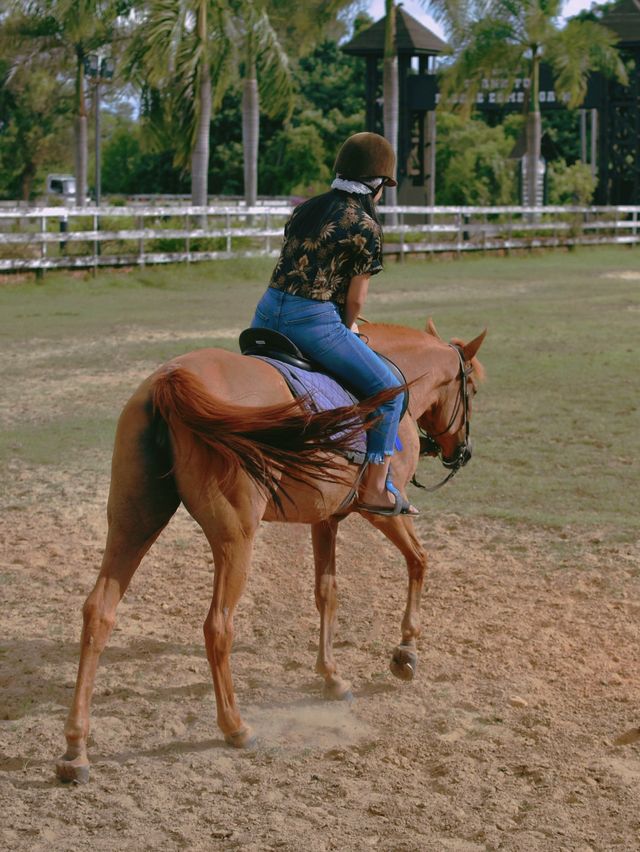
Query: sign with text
[{"x": 495, "y": 94}]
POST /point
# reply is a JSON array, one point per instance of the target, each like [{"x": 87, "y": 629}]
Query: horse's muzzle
[{"x": 462, "y": 456}]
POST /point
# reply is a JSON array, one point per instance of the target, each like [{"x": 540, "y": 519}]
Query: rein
[{"x": 463, "y": 453}]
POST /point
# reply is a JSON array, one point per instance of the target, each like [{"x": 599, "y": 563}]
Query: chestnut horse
[{"x": 220, "y": 432}]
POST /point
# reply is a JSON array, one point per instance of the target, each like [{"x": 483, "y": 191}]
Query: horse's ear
[
  {"x": 431, "y": 329},
  {"x": 471, "y": 349}
]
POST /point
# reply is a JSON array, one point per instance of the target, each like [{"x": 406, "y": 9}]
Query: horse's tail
[{"x": 268, "y": 441}]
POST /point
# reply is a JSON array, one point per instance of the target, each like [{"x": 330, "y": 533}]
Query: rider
[{"x": 332, "y": 246}]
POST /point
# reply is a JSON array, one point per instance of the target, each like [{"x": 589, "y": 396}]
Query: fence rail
[{"x": 56, "y": 237}]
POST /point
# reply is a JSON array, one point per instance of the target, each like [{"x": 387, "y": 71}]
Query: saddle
[{"x": 279, "y": 350}]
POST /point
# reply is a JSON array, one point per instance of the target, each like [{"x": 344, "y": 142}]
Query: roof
[
  {"x": 624, "y": 20},
  {"x": 412, "y": 38}
]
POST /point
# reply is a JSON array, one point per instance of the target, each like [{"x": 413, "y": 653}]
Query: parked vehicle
[{"x": 62, "y": 187}]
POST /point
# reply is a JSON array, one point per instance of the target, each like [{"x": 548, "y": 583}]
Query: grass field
[{"x": 555, "y": 427}]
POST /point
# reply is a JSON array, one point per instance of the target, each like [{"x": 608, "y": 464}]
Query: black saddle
[{"x": 273, "y": 344}]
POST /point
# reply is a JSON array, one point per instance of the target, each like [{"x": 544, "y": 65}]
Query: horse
[{"x": 221, "y": 433}]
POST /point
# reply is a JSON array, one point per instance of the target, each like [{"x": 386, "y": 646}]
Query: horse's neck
[{"x": 419, "y": 355}]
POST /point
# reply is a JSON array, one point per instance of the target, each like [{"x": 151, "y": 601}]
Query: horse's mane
[{"x": 410, "y": 336}]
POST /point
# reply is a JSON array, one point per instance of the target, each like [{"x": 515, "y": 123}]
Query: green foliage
[
  {"x": 302, "y": 26},
  {"x": 34, "y": 131},
  {"x": 562, "y": 127},
  {"x": 472, "y": 166},
  {"x": 299, "y": 157},
  {"x": 570, "y": 184},
  {"x": 294, "y": 158},
  {"x": 133, "y": 165},
  {"x": 507, "y": 39}
]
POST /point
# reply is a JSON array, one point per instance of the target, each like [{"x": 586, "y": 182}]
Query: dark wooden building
[
  {"x": 619, "y": 115},
  {"x": 417, "y": 49}
]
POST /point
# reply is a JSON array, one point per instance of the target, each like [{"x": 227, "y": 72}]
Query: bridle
[{"x": 428, "y": 443}]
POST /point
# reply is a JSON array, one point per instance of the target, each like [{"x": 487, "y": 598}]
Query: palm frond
[
  {"x": 272, "y": 63},
  {"x": 580, "y": 48},
  {"x": 491, "y": 51}
]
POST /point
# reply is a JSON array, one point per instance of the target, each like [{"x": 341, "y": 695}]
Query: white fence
[{"x": 55, "y": 237}]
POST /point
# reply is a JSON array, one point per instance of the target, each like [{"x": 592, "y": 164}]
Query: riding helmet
[{"x": 366, "y": 155}]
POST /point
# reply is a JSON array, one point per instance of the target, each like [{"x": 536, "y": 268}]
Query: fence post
[
  {"x": 228, "y": 221},
  {"x": 402, "y": 246},
  {"x": 64, "y": 224},
  {"x": 140, "y": 223},
  {"x": 267, "y": 225},
  {"x": 43, "y": 230},
  {"x": 187, "y": 240},
  {"x": 43, "y": 247},
  {"x": 96, "y": 245}
]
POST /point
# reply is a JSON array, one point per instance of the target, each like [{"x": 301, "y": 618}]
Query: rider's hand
[{"x": 354, "y": 328}]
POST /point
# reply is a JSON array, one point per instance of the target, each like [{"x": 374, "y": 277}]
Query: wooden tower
[{"x": 417, "y": 49}]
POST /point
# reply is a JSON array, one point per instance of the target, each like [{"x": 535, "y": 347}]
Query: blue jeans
[{"x": 318, "y": 331}]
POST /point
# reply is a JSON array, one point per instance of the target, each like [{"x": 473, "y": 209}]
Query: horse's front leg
[
  {"x": 324, "y": 536},
  {"x": 400, "y": 530}
]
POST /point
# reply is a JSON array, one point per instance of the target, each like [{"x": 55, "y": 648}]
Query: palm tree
[
  {"x": 192, "y": 50},
  {"x": 510, "y": 38},
  {"x": 63, "y": 32},
  {"x": 179, "y": 49},
  {"x": 264, "y": 69}
]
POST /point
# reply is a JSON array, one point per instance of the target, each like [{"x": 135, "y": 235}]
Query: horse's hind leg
[
  {"x": 324, "y": 536},
  {"x": 140, "y": 505},
  {"x": 400, "y": 530}
]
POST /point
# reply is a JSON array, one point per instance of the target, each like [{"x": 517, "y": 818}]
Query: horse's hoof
[
  {"x": 244, "y": 738},
  {"x": 74, "y": 771},
  {"x": 335, "y": 692},
  {"x": 404, "y": 663}
]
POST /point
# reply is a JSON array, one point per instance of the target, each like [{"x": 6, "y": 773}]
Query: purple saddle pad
[{"x": 324, "y": 394}]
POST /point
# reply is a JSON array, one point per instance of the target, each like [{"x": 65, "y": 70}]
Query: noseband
[{"x": 428, "y": 443}]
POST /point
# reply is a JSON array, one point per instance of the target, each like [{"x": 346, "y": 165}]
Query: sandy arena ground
[{"x": 528, "y": 671}]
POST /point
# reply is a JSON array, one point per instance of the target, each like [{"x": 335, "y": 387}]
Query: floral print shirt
[{"x": 322, "y": 267}]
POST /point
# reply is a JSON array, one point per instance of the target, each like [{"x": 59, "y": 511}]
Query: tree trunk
[
  {"x": 80, "y": 134},
  {"x": 391, "y": 95},
  {"x": 27, "y": 182},
  {"x": 250, "y": 135},
  {"x": 533, "y": 154},
  {"x": 200, "y": 155},
  {"x": 534, "y": 133}
]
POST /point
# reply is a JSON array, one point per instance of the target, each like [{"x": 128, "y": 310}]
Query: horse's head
[{"x": 445, "y": 421}]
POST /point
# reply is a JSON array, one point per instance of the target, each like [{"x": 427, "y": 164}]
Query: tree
[
  {"x": 191, "y": 51},
  {"x": 34, "y": 127},
  {"x": 302, "y": 26},
  {"x": 264, "y": 68},
  {"x": 473, "y": 165},
  {"x": 298, "y": 157},
  {"x": 62, "y": 34},
  {"x": 178, "y": 48},
  {"x": 508, "y": 39}
]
